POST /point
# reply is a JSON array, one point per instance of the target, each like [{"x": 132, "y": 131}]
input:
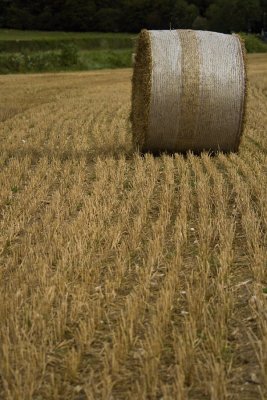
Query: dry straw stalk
[{"x": 189, "y": 91}]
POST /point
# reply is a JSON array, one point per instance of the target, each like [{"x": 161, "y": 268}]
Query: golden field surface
[{"x": 125, "y": 276}]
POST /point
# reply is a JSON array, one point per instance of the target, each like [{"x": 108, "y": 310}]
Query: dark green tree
[
  {"x": 200, "y": 23},
  {"x": 233, "y": 15},
  {"x": 172, "y": 13},
  {"x": 108, "y": 19},
  {"x": 133, "y": 15},
  {"x": 79, "y": 15},
  {"x": 184, "y": 14}
]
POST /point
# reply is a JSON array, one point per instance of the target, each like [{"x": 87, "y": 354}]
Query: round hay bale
[{"x": 188, "y": 91}]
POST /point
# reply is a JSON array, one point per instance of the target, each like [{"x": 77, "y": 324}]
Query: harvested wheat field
[{"x": 125, "y": 276}]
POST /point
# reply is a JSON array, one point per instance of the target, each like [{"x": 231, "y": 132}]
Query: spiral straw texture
[{"x": 189, "y": 91}]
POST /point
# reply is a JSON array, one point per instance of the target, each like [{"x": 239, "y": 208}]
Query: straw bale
[{"x": 188, "y": 91}]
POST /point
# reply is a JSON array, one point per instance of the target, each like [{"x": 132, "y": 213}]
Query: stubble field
[{"x": 122, "y": 276}]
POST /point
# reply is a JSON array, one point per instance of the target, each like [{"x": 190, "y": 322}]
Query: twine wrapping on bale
[{"x": 188, "y": 92}]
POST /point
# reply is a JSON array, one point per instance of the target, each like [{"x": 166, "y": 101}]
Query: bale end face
[{"x": 141, "y": 90}]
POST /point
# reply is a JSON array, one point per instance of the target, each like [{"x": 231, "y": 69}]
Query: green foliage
[
  {"x": 69, "y": 55},
  {"x": 99, "y": 59},
  {"x": 14, "y": 34},
  {"x": 66, "y": 59},
  {"x": 30, "y": 62},
  {"x": 21, "y": 41},
  {"x": 254, "y": 44}
]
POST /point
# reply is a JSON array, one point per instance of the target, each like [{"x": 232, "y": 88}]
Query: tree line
[{"x": 133, "y": 15}]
